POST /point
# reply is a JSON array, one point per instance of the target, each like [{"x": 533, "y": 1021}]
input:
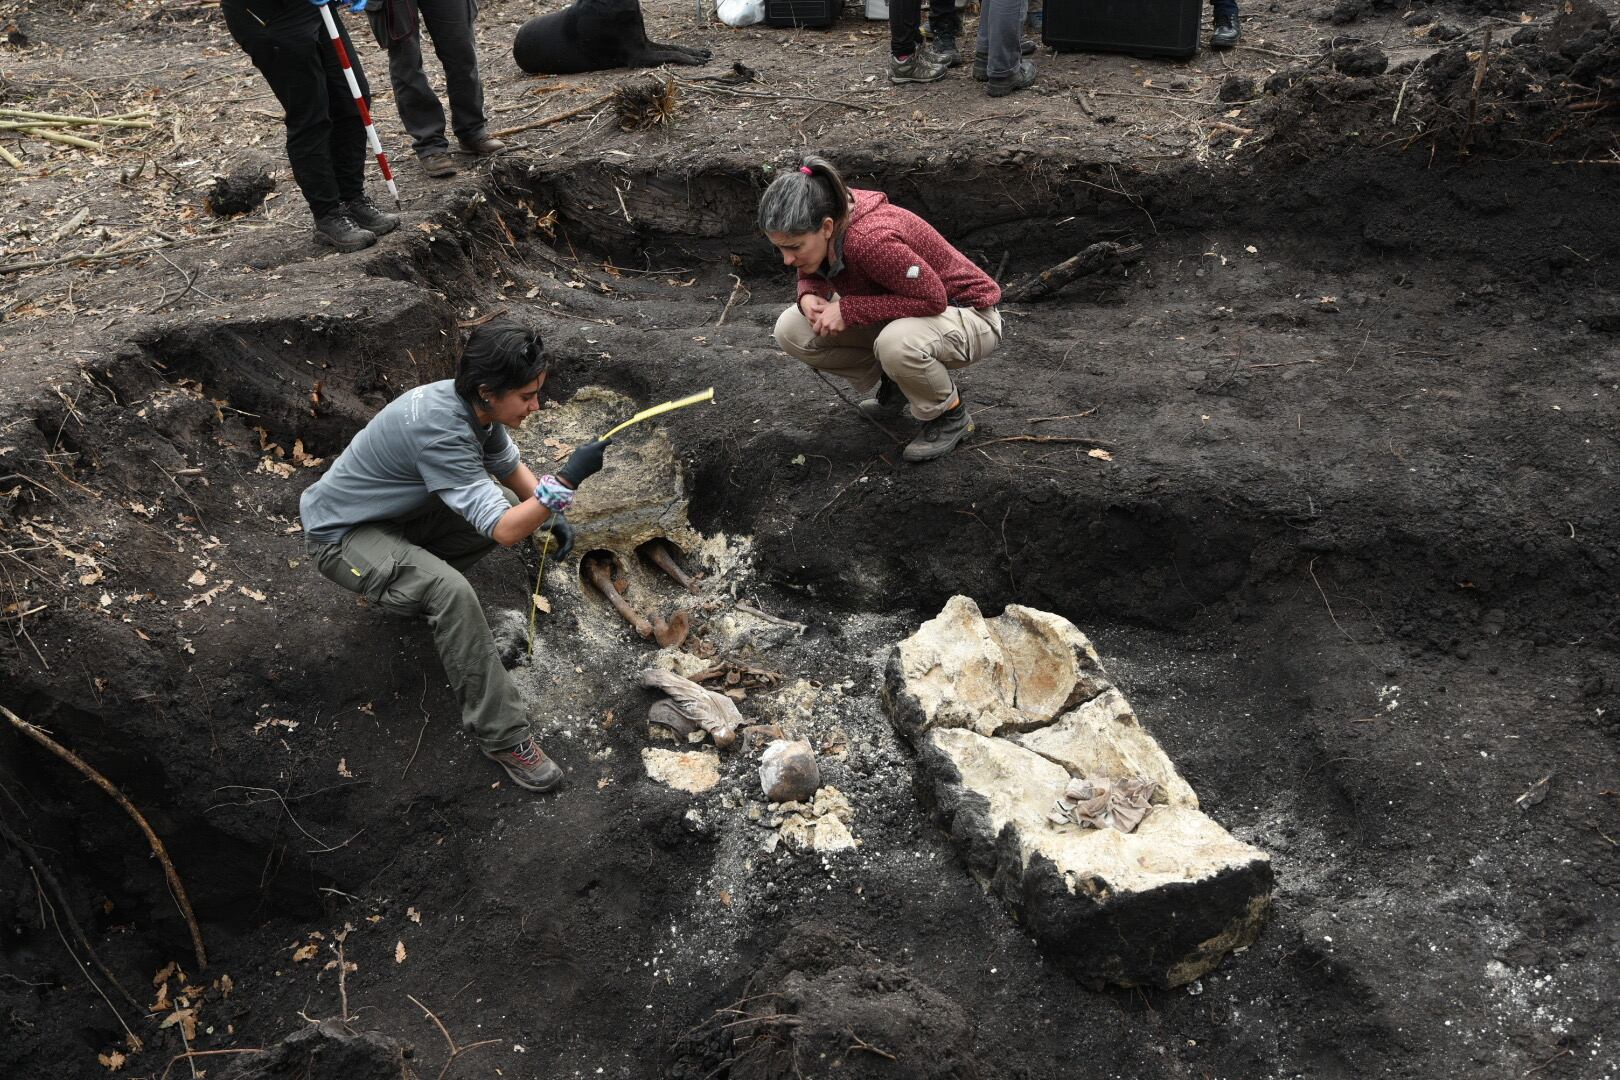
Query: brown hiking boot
[
  {"x": 483, "y": 146},
  {"x": 438, "y": 165},
  {"x": 528, "y": 765}
]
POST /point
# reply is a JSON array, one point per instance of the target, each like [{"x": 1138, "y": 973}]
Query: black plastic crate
[
  {"x": 1139, "y": 27},
  {"x": 815, "y": 14}
]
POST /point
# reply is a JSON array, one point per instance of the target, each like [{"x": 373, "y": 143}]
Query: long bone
[{"x": 600, "y": 574}]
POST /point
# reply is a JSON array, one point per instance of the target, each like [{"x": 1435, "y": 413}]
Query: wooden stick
[
  {"x": 105, "y": 253},
  {"x": 1070, "y": 416},
  {"x": 175, "y": 885},
  {"x": 120, "y": 120},
  {"x": 9, "y": 158},
  {"x": 1080, "y": 439},
  {"x": 1473, "y": 96},
  {"x": 34, "y": 131},
  {"x": 555, "y": 118},
  {"x": 72, "y": 223},
  {"x": 736, "y": 290},
  {"x": 1048, "y": 282}
]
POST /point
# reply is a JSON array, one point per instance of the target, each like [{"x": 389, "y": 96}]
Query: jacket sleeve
[
  {"x": 813, "y": 285},
  {"x": 909, "y": 286}
]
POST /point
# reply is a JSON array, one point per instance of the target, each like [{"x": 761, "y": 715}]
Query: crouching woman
[
  {"x": 884, "y": 301},
  {"x": 412, "y": 502}
]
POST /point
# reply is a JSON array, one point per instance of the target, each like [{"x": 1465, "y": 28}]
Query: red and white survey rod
[{"x": 359, "y": 101}]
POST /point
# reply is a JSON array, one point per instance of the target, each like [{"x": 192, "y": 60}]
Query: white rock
[
  {"x": 1002, "y": 713},
  {"x": 691, "y": 772}
]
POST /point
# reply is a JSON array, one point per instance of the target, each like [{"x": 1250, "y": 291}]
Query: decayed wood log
[{"x": 1047, "y": 283}]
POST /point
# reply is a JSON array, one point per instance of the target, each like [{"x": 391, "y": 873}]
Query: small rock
[
  {"x": 693, "y": 773},
  {"x": 1445, "y": 32},
  {"x": 823, "y": 836},
  {"x": 788, "y": 771}
]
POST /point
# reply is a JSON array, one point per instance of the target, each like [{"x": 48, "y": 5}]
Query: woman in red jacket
[{"x": 884, "y": 301}]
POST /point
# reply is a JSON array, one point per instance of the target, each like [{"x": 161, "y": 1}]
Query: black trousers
[
  {"x": 905, "y": 16},
  {"x": 450, "y": 24},
  {"x": 326, "y": 139}
]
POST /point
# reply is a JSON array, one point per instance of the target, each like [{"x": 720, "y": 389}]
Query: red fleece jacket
[{"x": 894, "y": 265}]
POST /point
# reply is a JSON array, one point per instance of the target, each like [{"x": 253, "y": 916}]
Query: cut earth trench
[{"x": 1352, "y": 559}]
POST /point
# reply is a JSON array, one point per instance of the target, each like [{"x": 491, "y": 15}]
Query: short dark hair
[{"x": 501, "y": 355}]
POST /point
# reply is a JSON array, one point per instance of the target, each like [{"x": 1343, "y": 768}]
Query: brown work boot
[
  {"x": 483, "y": 146},
  {"x": 438, "y": 165},
  {"x": 528, "y": 765}
]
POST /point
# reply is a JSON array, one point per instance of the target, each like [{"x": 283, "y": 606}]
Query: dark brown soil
[{"x": 1351, "y": 553}]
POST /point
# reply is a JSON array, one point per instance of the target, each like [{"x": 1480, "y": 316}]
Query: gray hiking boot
[
  {"x": 1026, "y": 47},
  {"x": 920, "y": 66},
  {"x": 1226, "y": 32},
  {"x": 368, "y": 215},
  {"x": 1021, "y": 77},
  {"x": 940, "y": 435},
  {"x": 886, "y": 401},
  {"x": 528, "y": 765},
  {"x": 945, "y": 51},
  {"x": 337, "y": 229}
]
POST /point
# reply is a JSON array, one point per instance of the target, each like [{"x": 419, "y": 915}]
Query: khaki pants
[
  {"x": 918, "y": 354},
  {"x": 412, "y": 566}
]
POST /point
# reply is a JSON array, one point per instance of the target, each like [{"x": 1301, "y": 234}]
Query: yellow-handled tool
[{"x": 660, "y": 410}]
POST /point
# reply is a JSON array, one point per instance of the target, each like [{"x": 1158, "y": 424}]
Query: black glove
[
  {"x": 557, "y": 537},
  {"x": 583, "y": 463}
]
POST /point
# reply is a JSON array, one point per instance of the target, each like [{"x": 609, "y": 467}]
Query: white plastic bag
[{"x": 740, "y": 12}]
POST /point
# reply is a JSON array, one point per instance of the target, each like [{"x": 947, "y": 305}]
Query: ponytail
[{"x": 800, "y": 200}]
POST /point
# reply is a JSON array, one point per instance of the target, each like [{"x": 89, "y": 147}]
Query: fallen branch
[
  {"x": 455, "y": 1051},
  {"x": 776, "y": 620},
  {"x": 1070, "y": 416},
  {"x": 10, "y": 159},
  {"x": 555, "y": 118},
  {"x": 1047, "y": 283},
  {"x": 1078, "y": 439},
  {"x": 112, "y": 252},
  {"x": 175, "y": 885},
  {"x": 142, "y": 120},
  {"x": 1473, "y": 96}
]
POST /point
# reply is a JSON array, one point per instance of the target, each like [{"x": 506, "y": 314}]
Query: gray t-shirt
[{"x": 426, "y": 443}]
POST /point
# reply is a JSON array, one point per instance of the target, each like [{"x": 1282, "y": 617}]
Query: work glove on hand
[
  {"x": 583, "y": 463},
  {"x": 557, "y": 537}
]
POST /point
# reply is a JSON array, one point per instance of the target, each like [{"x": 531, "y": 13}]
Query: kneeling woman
[
  {"x": 411, "y": 503},
  {"x": 884, "y": 301}
]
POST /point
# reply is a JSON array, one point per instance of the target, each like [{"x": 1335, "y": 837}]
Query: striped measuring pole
[{"x": 359, "y": 101}]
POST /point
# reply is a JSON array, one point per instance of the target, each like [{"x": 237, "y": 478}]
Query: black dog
[{"x": 593, "y": 35}]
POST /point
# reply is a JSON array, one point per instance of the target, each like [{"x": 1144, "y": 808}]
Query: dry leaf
[
  {"x": 187, "y": 1019},
  {"x": 1100, "y": 455},
  {"x": 113, "y": 1061},
  {"x": 251, "y": 594},
  {"x": 274, "y": 467},
  {"x": 725, "y": 898},
  {"x": 343, "y": 769},
  {"x": 92, "y": 577},
  {"x": 305, "y": 952},
  {"x": 197, "y": 578},
  {"x": 542, "y": 604},
  {"x": 399, "y": 952},
  {"x": 413, "y": 915},
  {"x": 225, "y": 985}
]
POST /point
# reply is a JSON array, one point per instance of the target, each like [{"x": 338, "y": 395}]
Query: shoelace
[{"x": 527, "y": 754}]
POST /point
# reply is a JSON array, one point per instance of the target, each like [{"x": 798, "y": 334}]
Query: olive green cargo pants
[{"x": 413, "y": 566}]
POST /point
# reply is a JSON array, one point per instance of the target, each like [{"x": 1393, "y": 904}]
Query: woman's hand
[
  {"x": 811, "y": 305},
  {"x": 828, "y": 320}
]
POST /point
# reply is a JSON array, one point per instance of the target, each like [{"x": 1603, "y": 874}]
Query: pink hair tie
[{"x": 806, "y": 170}]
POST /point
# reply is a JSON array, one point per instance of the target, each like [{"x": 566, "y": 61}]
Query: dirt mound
[{"x": 1542, "y": 92}]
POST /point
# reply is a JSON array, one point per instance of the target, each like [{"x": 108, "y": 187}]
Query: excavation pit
[{"x": 1324, "y": 476}]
